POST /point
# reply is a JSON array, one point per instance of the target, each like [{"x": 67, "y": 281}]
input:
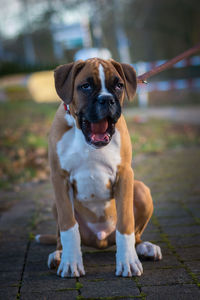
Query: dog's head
[{"x": 95, "y": 90}]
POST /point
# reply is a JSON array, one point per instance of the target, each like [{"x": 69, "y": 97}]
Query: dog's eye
[
  {"x": 119, "y": 85},
  {"x": 86, "y": 86}
]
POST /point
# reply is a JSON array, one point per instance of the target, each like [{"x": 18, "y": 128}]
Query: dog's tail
[{"x": 47, "y": 239}]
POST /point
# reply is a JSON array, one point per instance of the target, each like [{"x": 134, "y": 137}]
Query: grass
[
  {"x": 24, "y": 134},
  {"x": 156, "y": 136},
  {"x": 23, "y": 141}
]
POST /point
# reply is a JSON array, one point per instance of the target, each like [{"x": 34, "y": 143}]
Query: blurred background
[{"x": 36, "y": 36}]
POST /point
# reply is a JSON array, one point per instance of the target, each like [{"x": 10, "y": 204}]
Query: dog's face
[{"x": 95, "y": 90}]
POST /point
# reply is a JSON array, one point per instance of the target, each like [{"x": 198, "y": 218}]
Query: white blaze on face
[{"x": 104, "y": 91}]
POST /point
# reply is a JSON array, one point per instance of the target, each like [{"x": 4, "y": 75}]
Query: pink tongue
[
  {"x": 99, "y": 127},
  {"x": 99, "y": 131}
]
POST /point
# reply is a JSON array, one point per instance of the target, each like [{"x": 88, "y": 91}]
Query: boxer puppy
[{"x": 97, "y": 201}]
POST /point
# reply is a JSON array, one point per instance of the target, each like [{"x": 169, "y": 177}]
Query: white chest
[{"x": 91, "y": 169}]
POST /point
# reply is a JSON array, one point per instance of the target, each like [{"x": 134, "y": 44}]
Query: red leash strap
[
  {"x": 142, "y": 78},
  {"x": 66, "y": 107}
]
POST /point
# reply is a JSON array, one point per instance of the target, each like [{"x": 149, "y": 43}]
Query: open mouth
[{"x": 99, "y": 133}]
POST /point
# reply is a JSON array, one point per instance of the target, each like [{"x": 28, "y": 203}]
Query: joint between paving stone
[
  {"x": 97, "y": 251},
  {"x": 196, "y": 219},
  {"x": 139, "y": 286},
  {"x": 23, "y": 269},
  {"x": 190, "y": 246},
  {"x": 66, "y": 290},
  {"x": 111, "y": 297},
  {"x": 79, "y": 286},
  {"x": 167, "y": 284},
  {"x": 166, "y": 240},
  {"x": 96, "y": 280}
]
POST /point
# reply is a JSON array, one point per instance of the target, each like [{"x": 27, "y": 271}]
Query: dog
[{"x": 97, "y": 200}]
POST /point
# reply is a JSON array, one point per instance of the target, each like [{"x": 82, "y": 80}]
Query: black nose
[{"x": 106, "y": 99}]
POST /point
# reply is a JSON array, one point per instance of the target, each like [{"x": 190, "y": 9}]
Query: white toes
[
  {"x": 135, "y": 270},
  {"x": 159, "y": 253},
  {"x": 63, "y": 270},
  {"x": 127, "y": 262},
  {"x": 81, "y": 269},
  {"x": 74, "y": 271},
  {"x": 129, "y": 269},
  {"x": 119, "y": 269},
  {"x": 70, "y": 270},
  {"x": 149, "y": 250},
  {"x": 54, "y": 259}
]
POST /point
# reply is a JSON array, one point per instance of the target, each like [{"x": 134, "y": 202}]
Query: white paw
[
  {"x": 127, "y": 262},
  {"x": 129, "y": 268},
  {"x": 149, "y": 250},
  {"x": 54, "y": 259},
  {"x": 68, "y": 268},
  {"x": 71, "y": 264}
]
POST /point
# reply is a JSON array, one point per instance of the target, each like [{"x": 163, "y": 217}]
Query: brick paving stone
[
  {"x": 8, "y": 293},
  {"x": 47, "y": 283},
  {"x": 37, "y": 276},
  {"x": 86, "y": 249},
  {"x": 184, "y": 241},
  {"x": 99, "y": 272},
  {"x": 168, "y": 261},
  {"x": 49, "y": 295},
  {"x": 172, "y": 292},
  {"x": 195, "y": 210},
  {"x": 194, "y": 266},
  {"x": 151, "y": 227},
  {"x": 188, "y": 254},
  {"x": 182, "y": 230},
  {"x": 182, "y": 221},
  {"x": 9, "y": 279},
  {"x": 109, "y": 288},
  {"x": 161, "y": 280},
  {"x": 12, "y": 264},
  {"x": 102, "y": 258},
  {"x": 171, "y": 212},
  {"x": 151, "y": 236},
  {"x": 165, "y": 277},
  {"x": 38, "y": 263}
]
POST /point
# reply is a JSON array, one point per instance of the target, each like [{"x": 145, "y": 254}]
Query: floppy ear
[
  {"x": 128, "y": 74},
  {"x": 64, "y": 76}
]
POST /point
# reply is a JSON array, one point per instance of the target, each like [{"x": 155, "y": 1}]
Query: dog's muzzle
[{"x": 99, "y": 119}]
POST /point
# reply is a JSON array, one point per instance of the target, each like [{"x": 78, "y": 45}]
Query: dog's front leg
[
  {"x": 71, "y": 264},
  {"x": 127, "y": 262}
]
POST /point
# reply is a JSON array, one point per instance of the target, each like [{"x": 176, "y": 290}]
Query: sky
[
  {"x": 10, "y": 22},
  {"x": 13, "y": 17}
]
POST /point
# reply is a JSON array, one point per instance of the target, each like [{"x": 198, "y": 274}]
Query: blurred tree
[
  {"x": 154, "y": 29},
  {"x": 161, "y": 29}
]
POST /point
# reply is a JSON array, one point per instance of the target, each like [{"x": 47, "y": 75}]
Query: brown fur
[{"x": 132, "y": 206}]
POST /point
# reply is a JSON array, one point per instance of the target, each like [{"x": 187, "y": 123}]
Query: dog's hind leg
[
  {"x": 50, "y": 239},
  {"x": 143, "y": 209}
]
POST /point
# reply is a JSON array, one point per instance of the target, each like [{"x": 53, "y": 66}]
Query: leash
[{"x": 142, "y": 78}]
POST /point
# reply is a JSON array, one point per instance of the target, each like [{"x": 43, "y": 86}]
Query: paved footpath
[
  {"x": 188, "y": 114},
  {"x": 174, "y": 178}
]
